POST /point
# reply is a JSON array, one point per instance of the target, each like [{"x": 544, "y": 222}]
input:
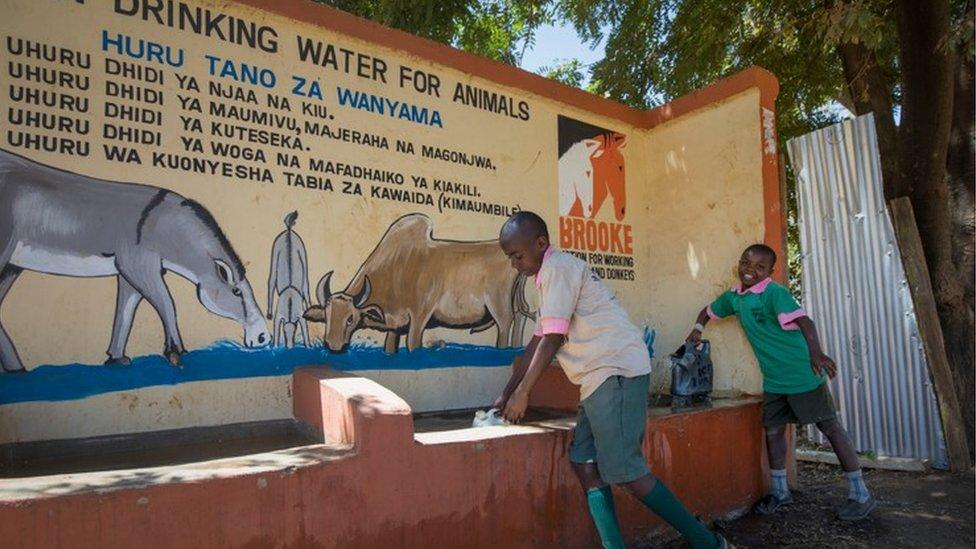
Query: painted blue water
[{"x": 229, "y": 360}]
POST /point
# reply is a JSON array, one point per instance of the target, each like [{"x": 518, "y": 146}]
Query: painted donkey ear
[{"x": 224, "y": 271}]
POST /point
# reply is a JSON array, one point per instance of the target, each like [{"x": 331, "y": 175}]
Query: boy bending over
[{"x": 582, "y": 325}]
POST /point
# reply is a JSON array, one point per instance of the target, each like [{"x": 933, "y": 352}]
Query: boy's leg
[
  {"x": 817, "y": 407},
  {"x": 857, "y": 491},
  {"x": 617, "y": 418},
  {"x": 776, "y": 446},
  {"x": 658, "y": 498},
  {"x": 841, "y": 443},
  {"x": 776, "y": 452},
  {"x": 599, "y": 496},
  {"x": 776, "y": 415}
]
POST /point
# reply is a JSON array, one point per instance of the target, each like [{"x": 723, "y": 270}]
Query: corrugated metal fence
[{"x": 854, "y": 288}]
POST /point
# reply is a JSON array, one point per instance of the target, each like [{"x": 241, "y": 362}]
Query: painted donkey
[
  {"x": 288, "y": 280},
  {"x": 61, "y": 223}
]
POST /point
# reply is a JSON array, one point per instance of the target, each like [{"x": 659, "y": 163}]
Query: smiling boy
[
  {"x": 582, "y": 324},
  {"x": 793, "y": 366}
]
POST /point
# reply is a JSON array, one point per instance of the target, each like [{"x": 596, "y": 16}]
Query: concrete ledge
[
  {"x": 33, "y": 491},
  {"x": 472, "y": 434},
  {"x": 349, "y": 409},
  {"x": 890, "y": 463},
  {"x": 377, "y": 485},
  {"x": 151, "y": 449}
]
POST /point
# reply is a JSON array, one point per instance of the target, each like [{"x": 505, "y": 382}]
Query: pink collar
[
  {"x": 549, "y": 251},
  {"x": 756, "y": 288}
]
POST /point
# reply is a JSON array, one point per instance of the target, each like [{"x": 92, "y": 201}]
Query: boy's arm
[
  {"x": 545, "y": 351},
  {"x": 519, "y": 367},
  {"x": 696, "y": 332},
  {"x": 819, "y": 362},
  {"x": 720, "y": 308}
]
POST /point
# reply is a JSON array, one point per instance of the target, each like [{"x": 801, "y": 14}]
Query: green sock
[
  {"x": 663, "y": 502},
  {"x": 604, "y": 516}
]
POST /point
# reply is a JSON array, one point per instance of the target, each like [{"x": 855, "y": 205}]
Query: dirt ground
[{"x": 933, "y": 509}]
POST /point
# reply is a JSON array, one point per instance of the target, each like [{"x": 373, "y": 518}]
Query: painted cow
[
  {"x": 590, "y": 170},
  {"x": 412, "y": 282},
  {"x": 61, "y": 223}
]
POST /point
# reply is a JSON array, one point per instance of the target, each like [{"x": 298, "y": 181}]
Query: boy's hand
[
  {"x": 499, "y": 402},
  {"x": 694, "y": 337},
  {"x": 821, "y": 364},
  {"x": 516, "y": 406}
]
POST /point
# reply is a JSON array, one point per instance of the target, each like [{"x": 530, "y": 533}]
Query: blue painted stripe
[{"x": 229, "y": 360}]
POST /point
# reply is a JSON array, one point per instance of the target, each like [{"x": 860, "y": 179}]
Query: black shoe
[{"x": 771, "y": 503}]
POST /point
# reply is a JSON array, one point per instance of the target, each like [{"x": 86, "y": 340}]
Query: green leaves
[
  {"x": 565, "y": 71},
  {"x": 498, "y": 29}
]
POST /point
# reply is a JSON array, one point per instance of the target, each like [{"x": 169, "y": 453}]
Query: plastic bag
[
  {"x": 691, "y": 375},
  {"x": 488, "y": 419}
]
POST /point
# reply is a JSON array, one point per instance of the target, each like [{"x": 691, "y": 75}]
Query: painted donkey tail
[{"x": 291, "y": 218}]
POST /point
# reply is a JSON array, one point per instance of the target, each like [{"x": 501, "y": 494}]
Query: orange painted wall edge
[{"x": 508, "y": 75}]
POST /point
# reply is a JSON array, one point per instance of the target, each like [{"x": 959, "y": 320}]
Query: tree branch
[{"x": 871, "y": 92}]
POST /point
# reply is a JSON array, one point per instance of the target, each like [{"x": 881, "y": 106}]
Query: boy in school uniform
[
  {"x": 583, "y": 326},
  {"x": 793, "y": 365}
]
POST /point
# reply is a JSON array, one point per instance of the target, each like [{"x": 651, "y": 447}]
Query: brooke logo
[
  {"x": 593, "y": 192},
  {"x": 591, "y": 170}
]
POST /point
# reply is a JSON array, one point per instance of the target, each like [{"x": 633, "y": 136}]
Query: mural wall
[{"x": 160, "y": 161}]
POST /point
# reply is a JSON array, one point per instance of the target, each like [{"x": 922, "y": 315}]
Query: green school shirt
[{"x": 767, "y": 313}]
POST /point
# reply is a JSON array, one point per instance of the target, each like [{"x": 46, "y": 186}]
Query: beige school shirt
[{"x": 601, "y": 341}]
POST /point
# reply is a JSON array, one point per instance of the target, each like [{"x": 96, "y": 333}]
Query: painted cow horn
[
  {"x": 322, "y": 291},
  {"x": 360, "y": 300}
]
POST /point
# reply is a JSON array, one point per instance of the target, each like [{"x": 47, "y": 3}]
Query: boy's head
[
  {"x": 756, "y": 264},
  {"x": 524, "y": 239}
]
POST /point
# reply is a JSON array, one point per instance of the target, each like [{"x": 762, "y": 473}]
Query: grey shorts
[
  {"x": 610, "y": 429},
  {"x": 802, "y": 408}
]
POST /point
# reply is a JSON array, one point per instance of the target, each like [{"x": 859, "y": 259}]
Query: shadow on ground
[{"x": 915, "y": 510}]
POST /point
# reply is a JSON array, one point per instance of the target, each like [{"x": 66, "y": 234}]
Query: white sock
[
  {"x": 856, "y": 489},
  {"x": 780, "y": 488}
]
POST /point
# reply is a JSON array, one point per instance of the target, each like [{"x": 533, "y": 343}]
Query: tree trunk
[
  {"x": 923, "y": 142},
  {"x": 871, "y": 92},
  {"x": 960, "y": 166}
]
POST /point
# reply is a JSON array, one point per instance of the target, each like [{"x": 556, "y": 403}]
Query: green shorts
[
  {"x": 803, "y": 408},
  {"x": 610, "y": 429}
]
